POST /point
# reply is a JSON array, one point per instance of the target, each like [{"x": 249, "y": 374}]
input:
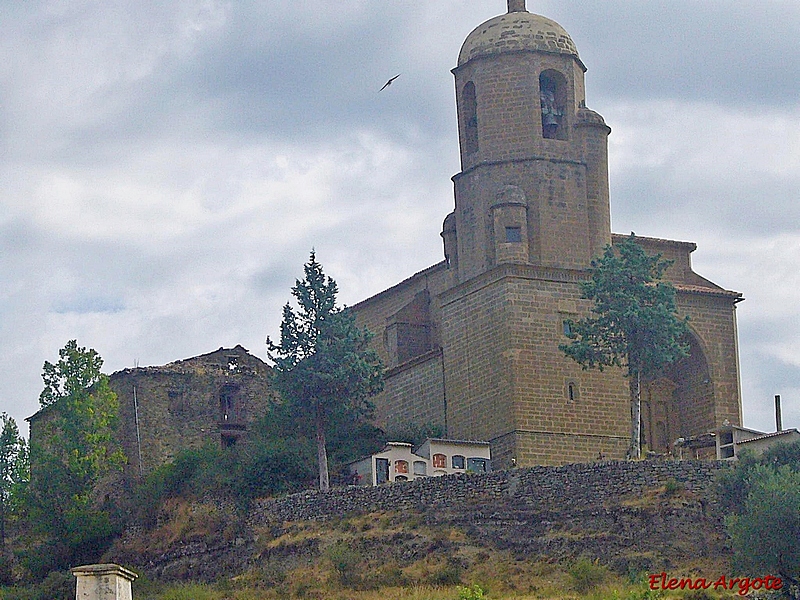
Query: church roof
[{"x": 514, "y": 32}]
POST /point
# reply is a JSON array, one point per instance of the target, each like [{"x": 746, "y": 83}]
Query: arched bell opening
[
  {"x": 553, "y": 101},
  {"x": 679, "y": 403}
]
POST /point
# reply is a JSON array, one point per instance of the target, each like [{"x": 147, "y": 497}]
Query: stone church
[{"x": 471, "y": 343}]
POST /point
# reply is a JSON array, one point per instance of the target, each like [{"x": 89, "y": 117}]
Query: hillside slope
[{"x": 634, "y": 518}]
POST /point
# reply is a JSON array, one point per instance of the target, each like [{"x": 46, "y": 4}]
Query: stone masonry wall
[
  {"x": 508, "y": 382},
  {"x": 619, "y": 513},
  {"x": 413, "y": 393},
  {"x": 575, "y": 486}
]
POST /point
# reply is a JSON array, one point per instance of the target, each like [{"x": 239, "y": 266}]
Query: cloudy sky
[{"x": 166, "y": 167}]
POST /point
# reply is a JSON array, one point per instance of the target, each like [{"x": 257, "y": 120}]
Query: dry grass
[{"x": 389, "y": 556}]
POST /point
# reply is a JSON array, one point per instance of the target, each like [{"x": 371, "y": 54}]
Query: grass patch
[
  {"x": 190, "y": 591},
  {"x": 587, "y": 574},
  {"x": 673, "y": 487}
]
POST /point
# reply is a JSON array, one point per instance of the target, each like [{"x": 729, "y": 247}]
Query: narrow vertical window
[
  {"x": 470, "y": 111},
  {"x": 572, "y": 391},
  {"x": 227, "y": 403}
]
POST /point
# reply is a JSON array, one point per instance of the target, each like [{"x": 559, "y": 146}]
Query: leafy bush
[
  {"x": 260, "y": 468},
  {"x": 734, "y": 484},
  {"x": 762, "y": 495},
  {"x": 673, "y": 486},
  {"x": 766, "y": 532},
  {"x": 448, "y": 574},
  {"x": 474, "y": 592},
  {"x": 392, "y": 575},
  {"x": 587, "y": 574},
  {"x": 57, "y": 585},
  {"x": 277, "y": 457},
  {"x": 345, "y": 561}
]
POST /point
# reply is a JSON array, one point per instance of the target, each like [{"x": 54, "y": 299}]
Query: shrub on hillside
[{"x": 587, "y": 574}]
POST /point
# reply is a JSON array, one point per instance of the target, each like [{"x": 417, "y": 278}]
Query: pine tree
[
  {"x": 634, "y": 323},
  {"x": 13, "y": 477},
  {"x": 323, "y": 365}
]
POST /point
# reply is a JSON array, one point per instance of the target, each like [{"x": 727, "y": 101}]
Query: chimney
[
  {"x": 778, "y": 424},
  {"x": 516, "y": 6}
]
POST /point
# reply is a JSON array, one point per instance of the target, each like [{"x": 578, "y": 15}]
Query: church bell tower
[
  {"x": 533, "y": 186},
  {"x": 472, "y": 343}
]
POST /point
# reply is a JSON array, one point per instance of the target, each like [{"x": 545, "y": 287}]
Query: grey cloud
[
  {"x": 655, "y": 200},
  {"x": 725, "y": 52},
  {"x": 190, "y": 103}
]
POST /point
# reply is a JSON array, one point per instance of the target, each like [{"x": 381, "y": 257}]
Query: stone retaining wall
[{"x": 569, "y": 487}]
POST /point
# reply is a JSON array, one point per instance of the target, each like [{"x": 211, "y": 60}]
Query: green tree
[
  {"x": 13, "y": 477},
  {"x": 324, "y": 367},
  {"x": 72, "y": 451},
  {"x": 761, "y": 494},
  {"x": 766, "y": 533},
  {"x": 634, "y": 323}
]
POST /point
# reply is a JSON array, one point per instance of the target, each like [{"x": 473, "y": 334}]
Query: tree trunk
[
  {"x": 322, "y": 454},
  {"x": 635, "y": 449}
]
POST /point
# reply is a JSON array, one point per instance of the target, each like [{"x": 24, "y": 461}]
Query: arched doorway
[{"x": 679, "y": 403}]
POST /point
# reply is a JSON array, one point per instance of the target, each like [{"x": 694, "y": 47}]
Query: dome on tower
[{"x": 517, "y": 31}]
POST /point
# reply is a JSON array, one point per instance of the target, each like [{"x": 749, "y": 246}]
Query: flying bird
[{"x": 388, "y": 83}]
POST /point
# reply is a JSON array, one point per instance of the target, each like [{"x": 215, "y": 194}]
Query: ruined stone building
[
  {"x": 471, "y": 343},
  {"x": 211, "y": 398}
]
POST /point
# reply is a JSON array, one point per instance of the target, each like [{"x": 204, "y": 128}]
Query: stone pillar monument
[{"x": 103, "y": 582}]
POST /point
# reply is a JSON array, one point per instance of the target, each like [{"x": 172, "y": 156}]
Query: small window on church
[
  {"x": 513, "y": 234},
  {"x": 567, "y": 327},
  {"x": 470, "y": 111},
  {"x": 572, "y": 391}
]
